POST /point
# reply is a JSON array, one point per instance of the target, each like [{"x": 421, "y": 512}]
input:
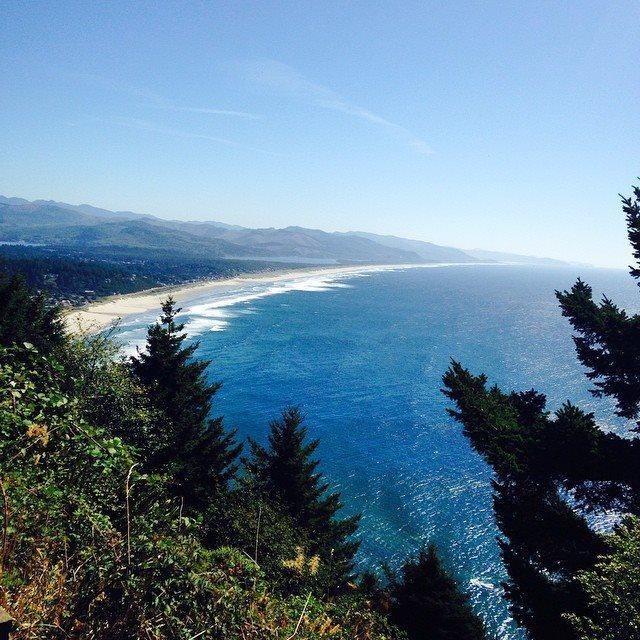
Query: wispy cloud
[
  {"x": 285, "y": 79},
  {"x": 153, "y": 99},
  {"x": 208, "y": 110},
  {"x": 145, "y": 125}
]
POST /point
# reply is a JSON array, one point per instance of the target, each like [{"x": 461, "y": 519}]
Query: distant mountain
[
  {"x": 51, "y": 225},
  {"x": 298, "y": 242},
  {"x": 500, "y": 256},
  {"x": 425, "y": 250},
  {"x": 100, "y": 213},
  {"x": 94, "y": 231},
  {"x": 13, "y": 201},
  {"x": 89, "y": 229},
  {"x": 81, "y": 208},
  {"x": 29, "y": 217}
]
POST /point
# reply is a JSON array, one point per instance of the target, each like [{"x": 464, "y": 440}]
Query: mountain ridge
[{"x": 85, "y": 227}]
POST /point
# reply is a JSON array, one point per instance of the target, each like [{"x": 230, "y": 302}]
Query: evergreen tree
[
  {"x": 540, "y": 458},
  {"x": 195, "y": 449},
  {"x": 286, "y": 472},
  {"x": 608, "y": 340},
  {"x": 426, "y": 602},
  {"x": 26, "y": 316}
]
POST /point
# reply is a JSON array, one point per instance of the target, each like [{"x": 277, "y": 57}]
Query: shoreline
[{"x": 101, "y": 314}]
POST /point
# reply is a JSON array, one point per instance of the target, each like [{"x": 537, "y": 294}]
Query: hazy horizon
[{"x": 501, "y": 127}]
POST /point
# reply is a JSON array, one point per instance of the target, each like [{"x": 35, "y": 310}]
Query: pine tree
[
  {"x": 26, "y": 316},
  {"x": 427, "y": 603},
  {"x": 540, "y": 458},
  {"x": 608, "y": 340},
  {"x": 286, "y": 472},
  {"x": 192, "y": 447}
]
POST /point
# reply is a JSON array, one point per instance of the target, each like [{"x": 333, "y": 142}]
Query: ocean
[{"x": 363, "y": 357}]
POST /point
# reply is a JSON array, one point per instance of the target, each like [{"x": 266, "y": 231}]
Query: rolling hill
[{"x": 85, "y": 228}]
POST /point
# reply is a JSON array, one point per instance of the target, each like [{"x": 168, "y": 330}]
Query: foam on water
[{"x": 214, "y": 315}]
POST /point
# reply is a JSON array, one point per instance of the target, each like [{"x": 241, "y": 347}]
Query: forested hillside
[{"x": 76, "y": 277}]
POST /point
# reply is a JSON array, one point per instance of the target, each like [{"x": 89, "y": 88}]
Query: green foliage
[
  {"x": 426, "y": 602},
  {"x": 108, "y": 392},
  {"x": 193, "y": 448},
  {"x": 538, "y": 457},
  {"x": 256, "y": 524},
  {"x": 66, "y": 277},
  {"x": 286, "y": 471},
  {"x": 25, "y": 317},
  {"x": 611, "y": 589},
  {"x": 631, "y": 210},
  {"x": 63, "y": 480}
]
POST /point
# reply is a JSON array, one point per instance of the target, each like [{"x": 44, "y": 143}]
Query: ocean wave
[
  {"x": 483, "y": 584},
  {"x": 214, "y": 315}
]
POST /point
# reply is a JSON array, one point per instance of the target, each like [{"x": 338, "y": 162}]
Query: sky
[{"x": 510, "y": 126}]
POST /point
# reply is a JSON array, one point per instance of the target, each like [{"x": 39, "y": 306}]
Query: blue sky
[{"x": 507, "y": 126}]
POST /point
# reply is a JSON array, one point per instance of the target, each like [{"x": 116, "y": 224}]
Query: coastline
[{"x": 101, "y": 314}]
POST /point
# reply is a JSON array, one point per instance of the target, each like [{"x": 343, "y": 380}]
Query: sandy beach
[{"x": 105, "y": 312}]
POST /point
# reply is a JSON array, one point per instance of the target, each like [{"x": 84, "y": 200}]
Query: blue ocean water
[{"x": 364, "y": 355}]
